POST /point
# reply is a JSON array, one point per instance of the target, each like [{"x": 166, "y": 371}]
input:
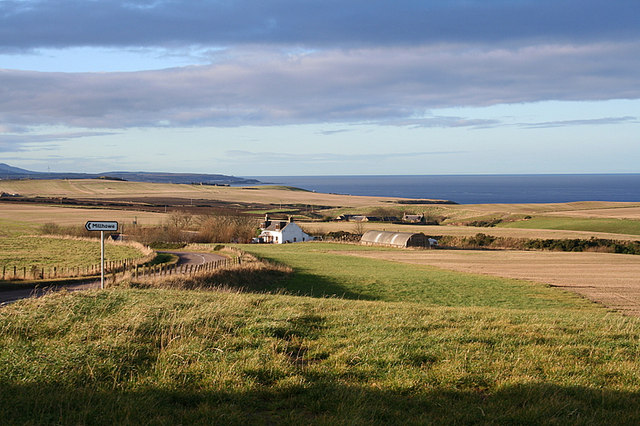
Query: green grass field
[
  {"x": 615, "y": 226},
  {"x": 27, "y": 251},
  {"x": 420, "y": 346},
  {"x": 321, "y": 271}
]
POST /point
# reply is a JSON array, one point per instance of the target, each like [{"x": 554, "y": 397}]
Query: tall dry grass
[{"x": 252, "y": 274}]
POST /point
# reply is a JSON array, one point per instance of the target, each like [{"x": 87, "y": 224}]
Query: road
[
  {"x": 184, "y": 258},
  {"x": 193, "y": 258}
]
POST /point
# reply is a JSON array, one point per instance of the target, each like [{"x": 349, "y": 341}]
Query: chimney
[{"x": 290, "y": 219}]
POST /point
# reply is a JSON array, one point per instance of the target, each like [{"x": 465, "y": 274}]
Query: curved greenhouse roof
[{"x": 394, "y": 239}]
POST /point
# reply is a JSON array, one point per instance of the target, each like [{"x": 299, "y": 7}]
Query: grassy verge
[{"x": 615, "y": 226}]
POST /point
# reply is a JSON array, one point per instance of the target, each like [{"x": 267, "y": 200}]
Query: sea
[{"x": 476, "y": 189}]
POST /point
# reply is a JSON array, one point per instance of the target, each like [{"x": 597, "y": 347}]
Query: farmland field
[
  {"x": 115, "y": 190},
  {"x": 610, "y": 279},
  {"x": 355, "y": 335},
  {"x": 621, "y": 212},
  {"x": 427, "y": 346},
  {"x": 323, "y": 227},
  {"x": 604, "y": 225},
  {"x": 93, "y": 189},
  {"x": 40, "y": 214},
  {"x": 323, "y": 269},
  {"x": 28, "y": 251}
]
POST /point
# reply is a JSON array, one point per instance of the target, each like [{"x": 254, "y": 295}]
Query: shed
[{"x": 395, "y": 239}]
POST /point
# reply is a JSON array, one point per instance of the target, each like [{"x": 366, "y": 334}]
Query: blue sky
[{"x": 312, "y": 87}]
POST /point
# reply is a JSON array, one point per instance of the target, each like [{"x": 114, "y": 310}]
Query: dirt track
[{"x": 610, "y": 279}]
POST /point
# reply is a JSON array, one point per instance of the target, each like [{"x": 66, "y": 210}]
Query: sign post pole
[
  {"x": 101, "y": 260},
  {"x": 101, "y": 226}
]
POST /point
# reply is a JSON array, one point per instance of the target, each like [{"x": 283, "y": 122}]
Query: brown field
[
  {"x": 610, "y": 279},
  {"x": 39, "y": 214},
  {"x": 461, "y": 230},
  {"x": 92, "y": 189},
  {"x": 622, "y": 212}
]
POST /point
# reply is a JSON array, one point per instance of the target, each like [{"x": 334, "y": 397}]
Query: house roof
[{"x": 276, "y": 226}]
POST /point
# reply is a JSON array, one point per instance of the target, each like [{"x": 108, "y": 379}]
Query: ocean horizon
[{"x": 475, "y": 189}]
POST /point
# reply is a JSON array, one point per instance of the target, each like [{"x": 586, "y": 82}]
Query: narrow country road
[
  {"x": 184, "y": 258},
  {"x": 193, "y": 258}
]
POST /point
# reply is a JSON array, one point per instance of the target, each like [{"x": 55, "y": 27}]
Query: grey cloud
[
  {"x": 333, "y": 132},
  {"x": 587, "y": 122},
  {"x": 266, "y": 87},
  {"x": 28, "y": 24},
  {"x": 15, "y": 142}
]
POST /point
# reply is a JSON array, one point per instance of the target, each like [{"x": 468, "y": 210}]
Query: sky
[{"x": 321, "y": 87}]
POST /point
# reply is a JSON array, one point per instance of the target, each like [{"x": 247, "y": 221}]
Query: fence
[
  {"x": 113, "y": 269},
  {"x": 167, "y": 270},
  {"x": 36, "y": 272}
]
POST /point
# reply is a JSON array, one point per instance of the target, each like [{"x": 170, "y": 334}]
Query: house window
[{"x": 294, "y": 239}]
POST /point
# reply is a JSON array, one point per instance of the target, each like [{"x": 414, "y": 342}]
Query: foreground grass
[
  {"x": 168, "y": 356},
  {"x": 421, "y": 346},
  {"x": 27, "y": 251},
  {"x": 615, "y": 226}
]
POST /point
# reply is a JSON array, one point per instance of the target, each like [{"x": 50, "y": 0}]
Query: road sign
[{"x": 101, "y": 226}]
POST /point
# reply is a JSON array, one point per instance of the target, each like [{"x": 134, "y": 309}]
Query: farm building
[
  {"x": 413, "y": 218},
  {"x": 397, "y": 239},
  {"x": 282, "y": 231}
]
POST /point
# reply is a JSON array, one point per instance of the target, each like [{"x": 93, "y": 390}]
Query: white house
[{"x": 280, "y": 232}]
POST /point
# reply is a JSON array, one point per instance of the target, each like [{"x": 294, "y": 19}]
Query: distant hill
[
  {"x": 7, "y": 169},
  {"x": 10, "y": 172}
]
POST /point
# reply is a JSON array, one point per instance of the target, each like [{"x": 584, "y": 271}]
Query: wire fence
[{"x": 113, "y": 269}]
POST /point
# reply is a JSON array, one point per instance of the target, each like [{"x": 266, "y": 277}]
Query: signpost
[{"x": 101, "y": 226}]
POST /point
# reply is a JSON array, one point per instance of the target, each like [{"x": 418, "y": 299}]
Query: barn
[{"x": 396, "y": 239}]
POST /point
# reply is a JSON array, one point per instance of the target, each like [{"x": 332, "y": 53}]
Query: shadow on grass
[
  {"x": 305, "y": 284},
  {"x": 265, "y": 280},
  {"x": 320, "y": 400}
]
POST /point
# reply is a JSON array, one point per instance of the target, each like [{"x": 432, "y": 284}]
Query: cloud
[
  {"x": 333, "y": 132},
  {"x": 259, "y": 86},
  {"x": 327, "y": 158},
  {"x": 586, "y": 122},
  {"x": 15, "y": 142},
  {"x": 444, "y": 122},
  {"x": 28, "y": 24}
]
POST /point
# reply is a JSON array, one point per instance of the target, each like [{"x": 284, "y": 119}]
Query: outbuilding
[{"x": 396, "y": 239}]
